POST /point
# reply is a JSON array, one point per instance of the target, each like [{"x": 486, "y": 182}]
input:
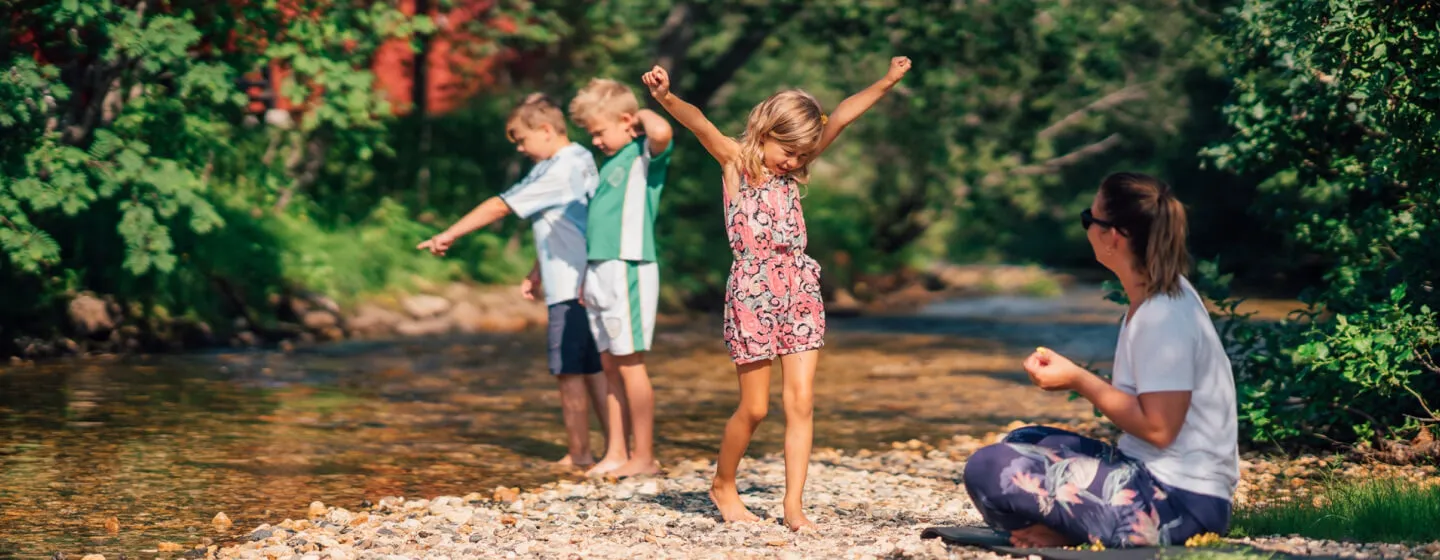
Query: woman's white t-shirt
[{"x": 1171, "y": 345}]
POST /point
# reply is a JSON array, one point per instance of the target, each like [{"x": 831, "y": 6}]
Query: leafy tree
[{"x": 1335, "y": 108}]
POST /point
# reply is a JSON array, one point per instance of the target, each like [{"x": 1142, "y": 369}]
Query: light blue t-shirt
[{"x": 556, "y": 193}]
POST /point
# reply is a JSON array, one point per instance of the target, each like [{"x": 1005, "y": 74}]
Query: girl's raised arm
[
  {"x": 722, "y": 147},
  {"x": 852, "y": 107}
]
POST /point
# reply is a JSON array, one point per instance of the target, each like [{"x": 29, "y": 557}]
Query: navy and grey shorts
[{"x": 572, "y": 347}]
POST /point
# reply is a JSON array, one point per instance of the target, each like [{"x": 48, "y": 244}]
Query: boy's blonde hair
[
  {"x": 791, "y": 118},
  {"x": 535, "y": 110},
  {"x": 603, "y": 98}
]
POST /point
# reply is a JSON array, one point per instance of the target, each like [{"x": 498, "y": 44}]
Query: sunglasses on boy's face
[{"x": 1087, "y": 218}]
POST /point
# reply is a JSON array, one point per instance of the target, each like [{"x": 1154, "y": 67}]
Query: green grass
[
  {"x": 1044, "y": 287},
  {"x": 1219, "y": 555},
  {"x": 1385, "y": 510}
]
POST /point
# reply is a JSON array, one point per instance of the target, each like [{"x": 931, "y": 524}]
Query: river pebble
[
  {"x": 868, "y": 504},
  {"x": 866, "y": 507}
]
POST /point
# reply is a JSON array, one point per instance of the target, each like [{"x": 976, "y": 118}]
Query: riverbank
[
  {"x": 99, "y": 324},
  {"x": 867, "y": 504}
]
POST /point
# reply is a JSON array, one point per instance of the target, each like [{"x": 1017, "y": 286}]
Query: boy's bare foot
[
  {"x": 604, "y": 467},
  {"x": 635, "y": 468},
  {"x": 727, "y": 499},
  {"x": 569, "y": 461},
  {"x": 1037, "y": 536},
  {"x": 798, "y": 522}
]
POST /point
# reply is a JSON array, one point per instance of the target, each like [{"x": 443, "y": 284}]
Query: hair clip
[{"x": 824, "y": 119}]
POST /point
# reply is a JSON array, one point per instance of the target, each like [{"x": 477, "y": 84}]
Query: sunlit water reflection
[{"x": 163, "y": 443}]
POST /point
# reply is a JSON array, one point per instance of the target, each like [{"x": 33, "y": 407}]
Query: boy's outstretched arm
[
  {"x": 852, "y": 107},
  {"x": 488, "y": 212},
  {"x": 656, "y": 129},
  {"x": 721, "y": 147}
]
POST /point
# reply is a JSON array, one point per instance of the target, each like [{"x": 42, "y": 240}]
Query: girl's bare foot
[
  {"x": 727, "y": 499},
  {"x": 570, "y": 461},
  {"x": 604, "y": 467},
  {"x": 798, "y": 522},
  {"x": 1037, "y": 536},
  {"x": 634, "y": 468}
]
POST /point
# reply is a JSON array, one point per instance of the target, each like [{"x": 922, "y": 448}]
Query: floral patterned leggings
[{"x": 1085, "y": 490}]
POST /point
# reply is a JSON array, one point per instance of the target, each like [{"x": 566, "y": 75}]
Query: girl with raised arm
[{"x": 773, "y": 308}]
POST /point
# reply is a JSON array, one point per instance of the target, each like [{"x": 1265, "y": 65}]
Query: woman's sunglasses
[{"x": 1087, "y": 218}]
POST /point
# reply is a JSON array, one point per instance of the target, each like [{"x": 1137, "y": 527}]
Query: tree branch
[
  {"x": 715, "y": 75},
  {"x": 1056, "y": 164},
  {"x": 673, "y": 44},
  {"x": 674, "y": 39},
  {"x": 209, "y": 167},
  {"x": 1123, "y": 95},
  {"x": 303, "y": 165},
  {"x": 107, "y": 87}
]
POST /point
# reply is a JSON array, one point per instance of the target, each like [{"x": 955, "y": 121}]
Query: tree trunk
[{"x": 421, "y": 101}]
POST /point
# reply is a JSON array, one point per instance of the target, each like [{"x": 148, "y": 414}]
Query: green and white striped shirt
[{"x": 622, "y": 214}]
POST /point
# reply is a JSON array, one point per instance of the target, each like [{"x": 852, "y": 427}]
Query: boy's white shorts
[{"x": 620, "y": 300}]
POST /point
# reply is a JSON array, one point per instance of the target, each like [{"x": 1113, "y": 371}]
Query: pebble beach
[{"x": 868, "y": 504}]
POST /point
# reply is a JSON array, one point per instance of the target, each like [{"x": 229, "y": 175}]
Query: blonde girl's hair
[
  {"x": 1144, "y": 209},
  {"x": 791, "y": 118}
]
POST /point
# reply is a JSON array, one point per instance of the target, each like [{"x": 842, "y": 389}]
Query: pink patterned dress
[{"x": 772, "y": 304}]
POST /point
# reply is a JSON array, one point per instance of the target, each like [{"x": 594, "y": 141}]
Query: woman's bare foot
[
  {"x": 570, "y": 461},
  {"x": 1037, "y": 536},
  {"x": 798, "y": 522},
  {"x": 604, "y": 467},
  {"x": 635, "y": 468},
  {"x": 727, "y": 499}
]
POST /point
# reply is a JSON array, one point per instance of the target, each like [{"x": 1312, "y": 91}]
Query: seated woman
[{"x": 1172, "y": 393}]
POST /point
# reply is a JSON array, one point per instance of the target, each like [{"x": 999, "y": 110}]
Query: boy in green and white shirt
[{"x": 622, "y": 281}]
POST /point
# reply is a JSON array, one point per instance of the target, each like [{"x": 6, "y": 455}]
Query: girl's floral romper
[{"x": 772, "y": 304}]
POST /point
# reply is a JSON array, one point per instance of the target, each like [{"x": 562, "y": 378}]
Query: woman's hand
[{"x": 1051, "y": 371}]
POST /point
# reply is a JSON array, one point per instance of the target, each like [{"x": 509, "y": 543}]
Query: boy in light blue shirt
[{"x": 554, "y": 195}]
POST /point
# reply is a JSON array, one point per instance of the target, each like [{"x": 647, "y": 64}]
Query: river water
[{"x": 164, "y": 443}]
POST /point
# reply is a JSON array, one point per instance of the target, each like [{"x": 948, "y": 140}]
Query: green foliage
[
  {"x": 115, "y": 147},
  {"x": 1369, "y": 363},
  {"x": 1016, "y": 108},
  {"x": 994, "y": 140},
  {"x": 1385, "y": 510},
  {"x": 67, "y": 152},
  {"x": 1334, "y": 109},
  {"x": 377, "y": 254}
]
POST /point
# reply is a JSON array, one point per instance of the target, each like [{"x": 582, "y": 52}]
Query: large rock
[
  {"x": 457, "y": 291},
  {"x": 467, "y": 317},
  {"x": 424, "y": 306},
  {"x": 90, "y": 315},
  {"x": 317, "y": 319},
  {"x": 193, "y": 333},
  {"x": 373, "y": 320},
  {"x": 508, "y": 311},
  {"x": 504, "y": 323},
  {"x": 424, "y": 327}
]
